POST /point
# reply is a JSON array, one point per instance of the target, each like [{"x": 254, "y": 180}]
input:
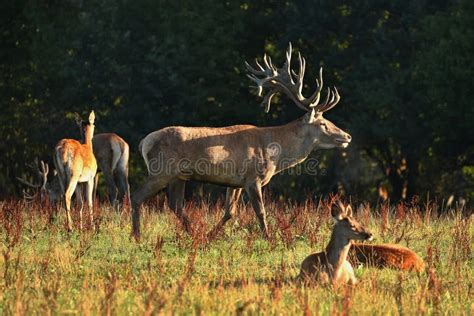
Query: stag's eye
[{"x": 323, "y": 125}]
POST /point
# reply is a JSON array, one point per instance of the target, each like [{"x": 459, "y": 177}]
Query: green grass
[{"x": 45, "y": 270}]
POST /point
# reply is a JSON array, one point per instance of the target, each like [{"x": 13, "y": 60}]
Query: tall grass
[{"x": 45, "y": 270}]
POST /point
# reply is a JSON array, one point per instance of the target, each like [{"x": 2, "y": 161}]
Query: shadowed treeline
[{"x": 404, "y": 72}]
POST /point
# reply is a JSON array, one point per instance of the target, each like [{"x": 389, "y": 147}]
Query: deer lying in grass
[
  {"x": 386, "y": 256},
  {"x": 112, "y": 154},
  {"x": 241, "y": 156},
  {"x": 331, "y": 265},
  {"x": 76, "y": 163}
]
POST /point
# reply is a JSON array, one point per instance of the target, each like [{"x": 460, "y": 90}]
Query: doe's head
[{"x": 346, "y": 225}]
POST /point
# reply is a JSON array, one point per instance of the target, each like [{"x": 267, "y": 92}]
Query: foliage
[{"x": 402, "y": 68}]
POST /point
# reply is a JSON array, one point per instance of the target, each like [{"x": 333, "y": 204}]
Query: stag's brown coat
[{"x": 240, "y": 156}]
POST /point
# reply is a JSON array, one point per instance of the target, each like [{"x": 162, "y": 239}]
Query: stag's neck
[
  {"x": 294, "y": 142},
  {"x": 336, "y": 251}
]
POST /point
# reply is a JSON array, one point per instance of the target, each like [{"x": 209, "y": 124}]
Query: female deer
[
  {"x": 75, "y": 163},
  {"x": 331, "y": 265}
]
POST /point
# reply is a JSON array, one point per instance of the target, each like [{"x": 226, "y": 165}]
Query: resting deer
[
  {"x": 75, "y": 163},
  {"x": 112, "y": 154},
  {"x": 386, "y": 256},
  {"x": 331, "y": 265},
  {"x": 241, "y": 156}
]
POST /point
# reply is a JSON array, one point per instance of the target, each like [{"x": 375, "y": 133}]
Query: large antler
[
  {"x": 286, "y": 80},
  {"x": 42, "y": 171}
]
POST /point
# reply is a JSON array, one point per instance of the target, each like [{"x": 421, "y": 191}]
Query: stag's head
[
  {"x": 346, "y": 226},
  {"x": 50, "y": 191},
  {"x": 323, "y": 132}
]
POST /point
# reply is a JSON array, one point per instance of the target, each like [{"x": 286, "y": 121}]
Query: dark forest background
[{"x": 403, "y": 68}]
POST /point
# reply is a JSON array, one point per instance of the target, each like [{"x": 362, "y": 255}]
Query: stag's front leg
[
  {"x": 176, "y": 201},
  {"x": 90, "y": 200},
  {"x": 254, "y": 190},
  {"x": 231, "y": 200},
  {"x": 151, "y": 187}
]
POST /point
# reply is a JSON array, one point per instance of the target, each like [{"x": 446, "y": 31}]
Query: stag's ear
[
  {"x": 91, "y": 118},
  {"x": 337, "y": 212}
]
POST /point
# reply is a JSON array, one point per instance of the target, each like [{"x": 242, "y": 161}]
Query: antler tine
[
  {"x": 268, "y": 100},
  {"x": 29, "y": 197},
  {"x": 43, "y": 172},
  {"x": 26, "y": 182},
  {"x": 314, "y": 99},
  {"x": 329, "y": 104},
  {"x": 300, "y": 76},
  {"x": 286, "y": 80}
]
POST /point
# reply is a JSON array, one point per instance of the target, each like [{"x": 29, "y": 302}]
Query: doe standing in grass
[
  {"x": 331, "y": 265},
  {"x": 76, "y": 163}
]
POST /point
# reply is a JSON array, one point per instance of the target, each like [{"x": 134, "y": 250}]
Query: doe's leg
[{"x": 70, "y": 188}]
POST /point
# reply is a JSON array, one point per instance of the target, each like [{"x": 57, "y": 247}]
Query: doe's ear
[
  {"x": 91, "y": 118},
  {"x": 337, "y": 212},
  {"x": 78, "y": 119}
]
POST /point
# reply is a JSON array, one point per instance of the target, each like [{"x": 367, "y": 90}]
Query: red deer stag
[
  {"x": 331, "y": 266},
  {"x": 240, "y": 156},
  {"x": 111, "y": 153},
  {"x": 76, "y": 163}
]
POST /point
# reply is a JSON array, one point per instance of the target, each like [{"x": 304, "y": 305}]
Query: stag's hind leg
[
  {"x": 176, "y": 201},
  {"x": 151, "y": 187},
  {"x": 231, "y": 200},
  {"x": 254, "y": 190}
]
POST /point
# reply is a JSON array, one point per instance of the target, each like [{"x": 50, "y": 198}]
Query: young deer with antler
[
  {"x": 112, "y": 154},
  {"x": 76, "y": 163},
  {"x": 331, "y": 265},
  {"x": 240, "y": 156}
]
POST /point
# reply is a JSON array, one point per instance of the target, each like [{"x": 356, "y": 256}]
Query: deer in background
[
  {"x": 112, "y": 154},
  {"x": 241, "y": 157},
  {"x": 48, "y": 191},
  {"x": 76, "y": 163},
  {"x": 331, "y": 265}
]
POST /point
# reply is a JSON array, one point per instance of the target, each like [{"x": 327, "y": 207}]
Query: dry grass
[{"x": 46, "y": 271}]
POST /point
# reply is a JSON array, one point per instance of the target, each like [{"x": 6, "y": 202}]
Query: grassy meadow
[{"x": 45, "y": 270}]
